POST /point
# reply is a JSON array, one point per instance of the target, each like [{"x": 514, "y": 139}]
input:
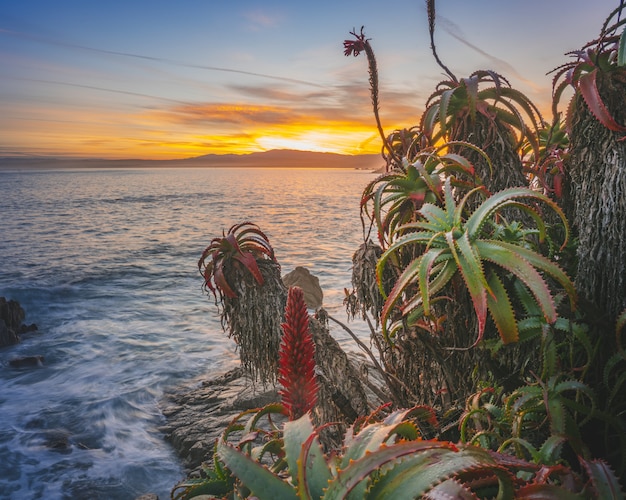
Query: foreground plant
[{"x": 384, "y": 456}]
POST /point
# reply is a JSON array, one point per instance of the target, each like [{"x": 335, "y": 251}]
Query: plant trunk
[{"x": 596, "y": 200}]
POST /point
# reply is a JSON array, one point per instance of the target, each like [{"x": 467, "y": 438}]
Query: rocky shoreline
[{"x": 195, "y": 416}]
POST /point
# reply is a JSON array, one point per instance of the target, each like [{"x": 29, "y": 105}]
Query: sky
[{"x": 159, "y": 79}]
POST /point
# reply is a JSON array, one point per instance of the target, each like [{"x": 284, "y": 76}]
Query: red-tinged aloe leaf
[
  {"x": 603, "y": 479},
  {"x": 543, "y": 491},
  {"x": 248, "y": 260},
  {"x": 501, "y": 310},
  {"x": 405, "y": 279},
  {"x": 221, "y": 283},
  {"x": 427, "y": 179},
  {"x": 300, "y": 439},
  {"x": 420, "y": 453},
  {"x": 471, "y": 269},
  {"x": 540, "y": 262},
  {"x": 508, "y": 257},
  {"x": 589, "y": 90},
  {"x": 261, "y": 482}
]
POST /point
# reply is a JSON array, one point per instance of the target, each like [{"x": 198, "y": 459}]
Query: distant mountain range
[{"x": 277, "y": 158}]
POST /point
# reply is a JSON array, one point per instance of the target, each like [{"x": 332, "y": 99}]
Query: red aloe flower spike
[{"x": 296, "y": 364}]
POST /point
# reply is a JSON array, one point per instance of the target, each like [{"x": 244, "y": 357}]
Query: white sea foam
[{"x": 104, "y": 262}]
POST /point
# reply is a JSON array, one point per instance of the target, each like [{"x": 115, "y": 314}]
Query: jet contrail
[{"x": 59, "y": 43}]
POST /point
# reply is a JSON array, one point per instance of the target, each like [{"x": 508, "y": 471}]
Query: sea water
[{"x": 105, "y": 263}]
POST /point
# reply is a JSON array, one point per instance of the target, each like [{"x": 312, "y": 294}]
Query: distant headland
[{"x": 277, "y": 158}]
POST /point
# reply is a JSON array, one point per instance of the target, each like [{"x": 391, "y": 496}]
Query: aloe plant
[
  {"x": 384, "y": 456},
  {"x": 394, "y": 198},
  {"x": 240, "y": 270},
  {"x": 447, "y": 242},
  {"x": 596, "y": 170},
  {"x": 243, "y": 245}
]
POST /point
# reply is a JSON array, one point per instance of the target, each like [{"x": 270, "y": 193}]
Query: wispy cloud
[{"x": 258, "y": 20}]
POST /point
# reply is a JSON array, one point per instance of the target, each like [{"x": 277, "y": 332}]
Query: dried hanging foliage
[{"x": 253, "y": 318}]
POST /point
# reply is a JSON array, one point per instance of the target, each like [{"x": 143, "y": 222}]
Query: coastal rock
[
  {"x": 26, "y": 361},
  {"x": 11, "y": 317},
  {"x": 301, "y": 277}
]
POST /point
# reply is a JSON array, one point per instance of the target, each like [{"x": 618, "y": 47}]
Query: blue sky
[{"x": 163, "y": 79}]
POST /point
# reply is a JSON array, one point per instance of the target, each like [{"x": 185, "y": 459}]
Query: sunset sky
[{"x": 163, "y": 79}]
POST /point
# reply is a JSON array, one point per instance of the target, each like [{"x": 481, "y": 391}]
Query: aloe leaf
[
  {"x": 405, "y": 279},
  {"x": 248, "y": 260},
  {"x": 392, "y": 480},
  {"x": 419, "y": 477},
  {"x": 314, "y": 473},
  {"x": 550, "y": 451},
  {"x": 506, "y": 257},
  {"x": 425, "y": 268},
  {"x": 444, "y": 103},
  {"x": 361, "y": 469},
  {"x": 501, "y": 310},
  {"x": 261, "y": 482},
  {"x": 603, "y": 479},
  {"x": 542, "y": 263},
  {"x": 295, "y": 434},
  {"x": 588, "y": 88},
  {"x": 429, "y": 118},
  {"x": 221, "y": 283},
  {"x": 473, "y": 276},
  {"x": 492, "y": 204},
  {"x": 551, "y": 491}
]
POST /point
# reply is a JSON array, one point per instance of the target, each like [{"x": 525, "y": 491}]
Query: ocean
[{"x": 104, "y": 262}]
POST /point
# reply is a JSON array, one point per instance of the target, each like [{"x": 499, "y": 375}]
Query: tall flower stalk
[
  {"x": 296, "y": 364},
  {"x": 354, "y": 48}
]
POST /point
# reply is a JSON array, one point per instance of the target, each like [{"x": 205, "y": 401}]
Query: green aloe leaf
[
  {"x": 362, "y": 469},
  {"x": 258, "y": 479},
  {"x": 501, "y": 310},
  {"x": 603, "y": 479},
  {"x": 507, "y": 258}
]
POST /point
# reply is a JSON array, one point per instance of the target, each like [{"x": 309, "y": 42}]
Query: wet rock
[
  {"x": 301, "y": 277},
  {"x": 26, "y": 361},
  {"x": 57, "y": 440},
  {"x": 148, "y": 496},
  {"x": 11, "y": 317},
  {"x": 196, "y": 416}
]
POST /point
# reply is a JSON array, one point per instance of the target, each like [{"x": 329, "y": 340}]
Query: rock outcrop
[
  {"x": 301, "y": 277},
  {"x": 195, "y": 417},
  {"x": 11, "y": 327}
]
